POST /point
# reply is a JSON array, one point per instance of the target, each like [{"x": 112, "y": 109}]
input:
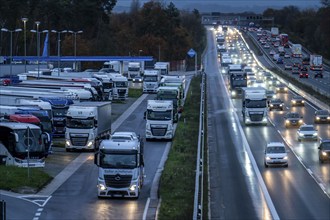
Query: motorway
[
  {"x": 321, "y": 85},
  {"x": 301, "y": 191}
]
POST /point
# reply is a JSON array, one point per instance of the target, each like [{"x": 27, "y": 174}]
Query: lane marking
[{"x": 146, "y": 209}]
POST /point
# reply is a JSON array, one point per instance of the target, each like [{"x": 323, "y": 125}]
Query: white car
[
  {"x": 307, "y": 132},
  {"x": 276, "y": 154}
]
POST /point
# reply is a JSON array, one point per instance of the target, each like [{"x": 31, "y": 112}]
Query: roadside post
[{"x": 2, "y": 210}]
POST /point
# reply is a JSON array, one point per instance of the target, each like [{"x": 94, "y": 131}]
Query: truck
[
  {"x": 134, "y": 70},
  {"x": 151, "y": 79},
  {"x": 115, "y": 85},
  {"x": 175, "y": 81},
  {"x": 60, "y": 107},
  {"x": 237, "y": 80},
  {"x": 87, "y": 123},
  {"x": 284, "y": 40},
  {"x": 254, "y": 105},
  {"x": 274, "y": 32},
  {"x": 316, "y": 62},
  {"x": 120, "y": 163},
  {"x": 22, "y": 144},
  {"x": 159, "y": 119},
  {"x": 163, "y": 67},
  {"x": 171, "y": 93},
  {"x": 296, "y": 50}
]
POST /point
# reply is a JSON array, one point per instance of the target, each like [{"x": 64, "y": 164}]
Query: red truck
[{"x": 284, "y": 40}]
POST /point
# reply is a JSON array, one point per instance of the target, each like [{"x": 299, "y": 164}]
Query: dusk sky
[{"x": 228, "y": 6}]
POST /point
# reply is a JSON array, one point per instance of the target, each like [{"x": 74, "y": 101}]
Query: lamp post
[
  {"x": 11, "y": 46},
  {"x": 59, "y": 48},
  {"x": 24, "y": 21},
  {"x": 75, "y": 46}
]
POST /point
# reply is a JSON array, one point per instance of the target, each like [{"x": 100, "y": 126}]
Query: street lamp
[
  {"x": 38, "y": 43},
  {"x": 75, "y": 46},
  {"x": 24, "y": 21},
  {"x": 11, "y": 46},
  {"x": 59, "y": 48}
]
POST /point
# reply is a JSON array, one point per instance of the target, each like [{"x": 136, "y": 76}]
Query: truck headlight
[
  {"x": 90, "y": 143},
  {"x": 68, "y": 143},
  {"x": 132, "y": 187},
  {"x": 233, "y": 93},
  {"x": 102, "y": 186}
]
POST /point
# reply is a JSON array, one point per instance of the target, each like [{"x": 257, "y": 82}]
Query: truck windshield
[
  {"x": 79, "y": 123},
  {"x": 167, "y": 95},
  {"x": 134, "y": 69},
  {"x": 156, "y": 115},
  {"x": 59, "y": 112},
  {"x": 256, "y": 103},
  {"x": 150, "y": 78},
  {"x": 121, "y": 84},
  {"x": 118, "y": 160},
  {"x": 25, "y": 141}
]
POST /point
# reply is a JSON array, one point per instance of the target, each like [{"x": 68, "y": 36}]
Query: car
[
  {"x": 295, "y": 70},
  {"x": 259, "y": 83},
  {"x": 279, "y": 60},
  {"x": 281, "y": 88},
  {"x": 324, "y": 150},
  {"x": 272, "y": 52},
  {"x": 288, "y": 66},
  {"x": 276, "y": 44},
  {"x": 322, "y": 116},
  {"x": 276, "y": 154},
  {"x": 297, "y": 100},
  {"x": 276, "y": 104},
  {"x": 287, "y": 55},
  {"x": 137, "y": 79},
  {"x": 296, "y": 64},
  {"x": 307, "y": 132},
  {"x": 270, "y": 94},
  {"x": 266, "y": 46},
  {"x": 318, "y": 74},
  {"x": 293, "y": 119},
  {"x": 303, "y": 72}
]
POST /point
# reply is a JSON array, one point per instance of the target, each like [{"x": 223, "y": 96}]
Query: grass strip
[
  {"x": 134, "y": 93},
  {"x": 16, "y": 178},
  {"x": 177, "y": 184}
]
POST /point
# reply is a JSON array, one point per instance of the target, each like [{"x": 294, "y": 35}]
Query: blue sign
[{"x": 191, "y": 52}]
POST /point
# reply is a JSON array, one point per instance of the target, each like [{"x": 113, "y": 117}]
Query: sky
[{"x": 226, "y": 6}]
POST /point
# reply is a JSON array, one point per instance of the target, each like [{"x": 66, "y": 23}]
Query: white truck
[
  {"x": 164, "y": 67},
  {"x": 119, "y": 86},
  {"x": 296, "y": 50},
  {"x": 134, "y": 70},
  {"x": 120, "y": 166},
  {"x": 254, "y": 105},
  {"x": 87, "y": 123},
  {"x": 159, "y": 117},
  {"x": 315, "y": 62},
  {"x": 274, "y": 31},
  {"x": 151, "y": 79}
]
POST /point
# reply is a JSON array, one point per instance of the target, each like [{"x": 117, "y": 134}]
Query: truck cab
[
  {"x": 159, "y": 117},
  {"x": 151, "y": 80},
  {"x": 120, "y": 164},
  {"x": 254, "y": 105}
]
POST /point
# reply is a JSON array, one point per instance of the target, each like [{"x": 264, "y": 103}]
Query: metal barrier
[
  {"x": 199, "y": 180},
  {"x": 2, "y": 210}
]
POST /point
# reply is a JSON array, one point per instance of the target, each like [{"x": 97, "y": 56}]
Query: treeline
[
  {"x": 309, "y": 27},
  {"x": 154, "y": 29}
]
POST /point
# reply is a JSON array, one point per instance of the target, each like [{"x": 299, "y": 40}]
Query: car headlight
[
  {"x": 317, "y": 118},
  {"x": 303, "y": 101},
  {"x": 271, "y": 105},
  {"x": 328, "y": 118},
  {"x": 300, "y": 121},
  {"x": 267, "y": 158},
  {"x": 324, "y": 153},
  {"x": 315, "y": 134},
  {"x": 281, "y": 105},
  {"x": 285, "y": 158},
  {"x": 300, "y": 134},
  {"x": 293, "y": 101},
  {"x": 287, "y": 121}
]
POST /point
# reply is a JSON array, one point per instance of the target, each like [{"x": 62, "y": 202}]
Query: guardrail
[
  {"x": 199, "y": 180},
  {"x": 290, "y": 85}
]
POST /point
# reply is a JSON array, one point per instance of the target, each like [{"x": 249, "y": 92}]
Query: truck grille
[
  {"x": 256, "y": 117},
  {"x": 79, "y": 141},
  {"x": 118, "y": 181},
  {"x": 158, "y": 131}
]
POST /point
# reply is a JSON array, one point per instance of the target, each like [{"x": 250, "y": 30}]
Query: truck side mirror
[
  {"x": 96, "y": 159},
  {"x": 145, "y": 115},
  {"x": 95, "y": 123},
  {"x": 243, "y": 103}
]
